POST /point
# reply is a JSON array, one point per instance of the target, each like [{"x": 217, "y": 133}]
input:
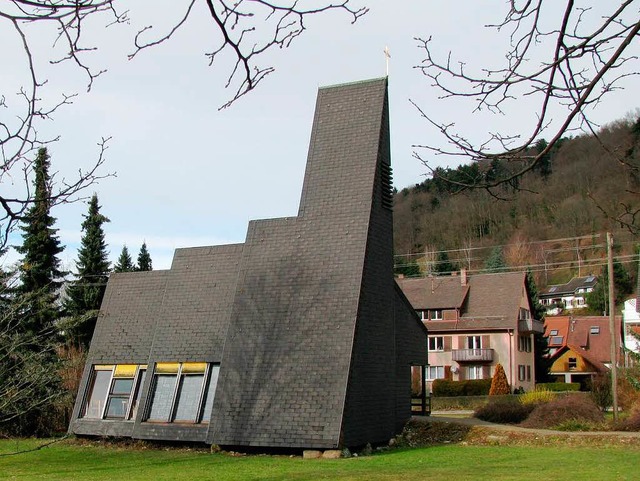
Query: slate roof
[
  {"x": 488, "y": 301},
  {"x": 569, "y": 288}
]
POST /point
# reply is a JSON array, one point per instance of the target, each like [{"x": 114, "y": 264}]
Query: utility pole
[{"x": 612, "y": 328}]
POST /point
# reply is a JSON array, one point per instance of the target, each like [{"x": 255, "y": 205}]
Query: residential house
[
  {"x": 297, "y": 338},
  {"x": 631, "y": 318},
  {"x": 572, "y": 295},
  {"x": 476, "y": 322},
  {"x": 580, "y": 347}
]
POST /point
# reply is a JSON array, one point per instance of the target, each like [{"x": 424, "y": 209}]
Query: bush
[
  {"x": 631, "y": 423},
  {"x": 559, "y": 386},
  {"x": 499, "y": 384},
  {"x": 506, "y": 410},
  {"x": 476, "y": 387},
  {"x": 601, "y": 391},
  {"x": 538, "y": 396},
  {"x": 575, "y": 407}
]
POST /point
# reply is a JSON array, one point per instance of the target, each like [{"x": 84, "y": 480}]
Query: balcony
[
  {"x": 472, "y": 355},
  {"x": 530, "y": 326}
]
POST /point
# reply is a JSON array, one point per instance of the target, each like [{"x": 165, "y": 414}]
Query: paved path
[{"x": 458, "y": 417}]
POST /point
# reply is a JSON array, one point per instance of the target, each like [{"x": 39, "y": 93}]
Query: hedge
[
  {"x": 559, "y": 386},
  {"x": 476, "y": 387}
]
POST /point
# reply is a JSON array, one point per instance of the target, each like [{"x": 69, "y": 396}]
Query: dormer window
[{"x": 436, "y": 314}]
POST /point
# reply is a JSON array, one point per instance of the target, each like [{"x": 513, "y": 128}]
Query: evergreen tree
[
  {"x": 144, "y": 259},
  {"x": 598, "y": 299},
  {"x": 495, "y": 262},
  {"x": 85, "y": 293},
  {"x": 443, "y": 266},
  {"x": 408, "y": 268},
  {"x": 40, "y": 273},
  {"x": 499, "y": 383},
  {"x": 542, "y": 361},
  {"x": 124, "y": 262}
]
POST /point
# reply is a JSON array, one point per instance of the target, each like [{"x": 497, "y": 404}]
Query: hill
[{"x": 553, "y": 221}]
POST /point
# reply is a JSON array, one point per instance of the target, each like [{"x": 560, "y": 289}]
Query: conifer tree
[
  {"x": 85, "y": 294},
  {"x": 124, "y": 262},
  {"x": 443, "y": 266},
  {"x": 495, "y": 262},
  {"x": 144, "y": 259},
  {"x": 499, "y": 383},
  {"x": 40, "y": 273}
]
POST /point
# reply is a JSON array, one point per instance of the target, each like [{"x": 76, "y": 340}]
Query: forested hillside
[{"x": 553, "y": 221}]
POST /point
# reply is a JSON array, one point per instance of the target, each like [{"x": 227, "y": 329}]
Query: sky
[{"x": 189, "y": 174}]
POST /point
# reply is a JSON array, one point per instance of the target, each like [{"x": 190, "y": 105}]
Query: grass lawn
[{"x": 69, "y": 460}]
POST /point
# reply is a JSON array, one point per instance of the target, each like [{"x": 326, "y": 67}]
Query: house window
[
  {"x": 474, "y": 342},
  {"x": 556, "y": 340},
  {"x": 522, "y": 372},
  {"x": 553, "y": 332},
  {"x": 524, "y": 314},
  {"x": 436, "y": 314},
  {"x": 474, "y": 372},
  {"x": 111, "y": 393},
  {"x": 528, "y": 373},
  {"x": 524, "y": 343},
  {"x": 183, "y": 392},
  {"x": 573, "y": 364},
  {"x": 435, "y": 372},
  {"x": 594, "y": 330},
  {"x": 436, "y": 343}
]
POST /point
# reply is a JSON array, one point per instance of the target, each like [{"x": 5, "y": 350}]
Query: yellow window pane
[
  {"x": 103, "y": 367},
  {"x": 125, "y": 370},
  {"x": 143, "y": 366},
  {"x": 167, "y": 367},
  {"x": 193, "y": 367}
]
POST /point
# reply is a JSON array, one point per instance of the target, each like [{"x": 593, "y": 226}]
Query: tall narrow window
[
  {"x": 164, "y": 387},
  {"x": 137, "y": 394},
  {"x": 98, "y": 389}
]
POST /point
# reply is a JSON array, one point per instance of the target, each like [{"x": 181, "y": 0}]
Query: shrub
[
  {"x": 559, "y": 386},
  {"x": 631, "y": 423},
  {"x": 574, "y": 407},
  {"x": 499, "y": 383},
  {"x": 601, "y": 391},
  {"x": 444, "y": 388},
  {"x": 506, "y": 410},
  {"x": 538, "y": 396}
]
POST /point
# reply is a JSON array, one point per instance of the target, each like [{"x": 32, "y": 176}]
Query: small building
[
  {"x": 580, "y": 347},
  {"x": 297, "y": 338},
  {"x": 569, "y": 296},
  {"x": 476, "y": 322}
]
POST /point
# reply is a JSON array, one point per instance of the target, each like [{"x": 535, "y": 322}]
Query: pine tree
[
  {"x": 495, "y": 262},
  {"x": 85, "y": 293},
  {"x": 541, "y": 359},
  {"x": 499, "y": 383},
  {"x": 124, "y": 262},
  {"x": 443, "y": 266},
  {"x": 40, "y": 273},
  {"x": 144, "y": 259}
]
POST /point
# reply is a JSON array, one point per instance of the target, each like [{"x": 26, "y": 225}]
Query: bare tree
[
  {"x": 243, "y": 30},
  {"x": 567, "y": 63}
]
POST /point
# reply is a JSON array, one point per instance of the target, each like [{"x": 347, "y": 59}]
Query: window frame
[
  {"x": 474, "y": 342},
  {"x": 180, "y": 374},
  {"x": 475, "y": 372},
  {"x": 110, "y": 395},
  {"x": 436, "y": 368},
  {"x": 436, "y": 315},
  {"x": 435, "y": 343}
]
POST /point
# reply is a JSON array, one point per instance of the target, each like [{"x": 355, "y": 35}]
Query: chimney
[{"x": 463, "y": 277}]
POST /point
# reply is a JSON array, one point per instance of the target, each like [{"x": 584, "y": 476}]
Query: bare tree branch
[
  {"x": 583, "y": 58},
  {"x": 241, "y": 29}
]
